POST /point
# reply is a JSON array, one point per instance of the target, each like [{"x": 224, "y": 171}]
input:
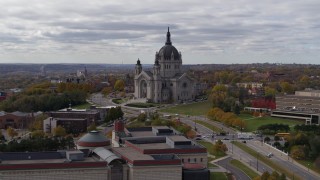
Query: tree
[
  {"x": 277, "y": 145},
  {"x": 219, "y": 148},
  {"x": 265, "y": 175},
  {"x": 283, "y": 176},
  {"x": 142, "y": 117},
  {"x": 270, "y": 92},
  {"x": 267, "y": 139},
  {"x": 287, "y": 87},
  {"x": 11, "y": 132},
  {"x": 37, "y": 134},
  {"x": 59, "y": 131},
  {"x": 274, "y": 176},
  {"x": 236, "y": 109},
  {"x": 92, "y": 127},
  {"x": 218, "y": 95},
  {"x": 106, "y": 91},
  {"x": 37, "y": 124},
  {"x": 119, "y": 85},
  {"x": 314, "y": 147},
  {"x": 297, "y": 152},
  {"x": 277, "y": 138},
  {"x": 114, "y": 113}
]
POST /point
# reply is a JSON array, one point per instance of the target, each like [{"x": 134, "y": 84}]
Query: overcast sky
[{"x": 121, "y": 31}]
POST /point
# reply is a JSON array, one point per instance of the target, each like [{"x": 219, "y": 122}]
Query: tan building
[{"x": 304, "y": 105}]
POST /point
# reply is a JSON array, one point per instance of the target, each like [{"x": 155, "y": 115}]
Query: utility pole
[
  {"x": 257, "y": 161},
  {"x": 232, "y": 143}
]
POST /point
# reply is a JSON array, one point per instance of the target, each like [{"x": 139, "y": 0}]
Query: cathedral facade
[{"x": 166, "y": 82}]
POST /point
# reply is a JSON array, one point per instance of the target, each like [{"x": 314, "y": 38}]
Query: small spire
[
  {"x": 168, "y": 42},
  {"x": 138, "y": 62}
]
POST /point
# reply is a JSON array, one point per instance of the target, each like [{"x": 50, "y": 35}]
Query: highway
[
  {"x": 262, "y": 149},
  {"x": 283, "y": 160},
  {"x": 240, "y": 175},
  {"x": 234, "y": 151}
]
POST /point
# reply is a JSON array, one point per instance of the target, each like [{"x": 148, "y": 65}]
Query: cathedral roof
[
  {"x": 149, "y": 73},
  {"x": 167, "y": 50}
]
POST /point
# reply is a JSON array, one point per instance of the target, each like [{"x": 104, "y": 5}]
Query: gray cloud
[{"x": 137, "y": 28}]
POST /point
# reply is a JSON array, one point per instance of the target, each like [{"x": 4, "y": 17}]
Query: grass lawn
[
  {"x": 193, "y": 109},
  {"x": 254, "y": 122},
  {"x": 210, "y": 149},
  {"x": 309, "y": 164},
  {"x": 141, "y": 105},
  {"x": 136, "y": 123},
  {"x": 82, "y": 106},
  {"x": 266, "y": 160},
  {"x": 210, "y": 165},
  {"x": 218, "y": 176},
  {"x": 119, "y": 100},
  {"x": 210, "y": 126},
  {"x": 252, "y": 174}
]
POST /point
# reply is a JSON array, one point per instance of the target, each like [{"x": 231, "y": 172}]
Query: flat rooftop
[
  {"x": 178, "y": 138},
  {"x": 141, "y": 133},
  {"x": 153, "y": 146},
  {"x": 42, "y": 161},
  {"x": 132, "y": 154}
]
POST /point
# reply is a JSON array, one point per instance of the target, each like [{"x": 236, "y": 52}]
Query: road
[
  {"x": 234, "y": 151},
  {"x": 278, "y": 158},
  {"x": 283, "y": 160},
  {"x": 240, "y": 175}
]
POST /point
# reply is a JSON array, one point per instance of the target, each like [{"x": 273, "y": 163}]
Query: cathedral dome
[{"x": 168, "y": 50}]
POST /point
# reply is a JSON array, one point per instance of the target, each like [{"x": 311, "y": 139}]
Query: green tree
[
  {"x": 277, "y": 138},
  {"x": 267, "y": 139},
  {"x": 37, "y": 134},
  {"x": 11, "y": 132},
  {"x": 59, "y": 131},
  {"x": 287, "y": 87},
  {"x": 119, "y": 85},
  {"x": 142, "y": 117},
  {"x": 270, "y": 92},
  {"x": 236, "y": 109},
  {"x": 218, "y": 95},
  {"x": 283, "y": 176}
]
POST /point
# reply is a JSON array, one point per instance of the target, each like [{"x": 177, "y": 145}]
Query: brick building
[
  {"x": 18, "y": 120},
  {"x": 74, "y": 126},
  {"x": 91, "y": 115}
]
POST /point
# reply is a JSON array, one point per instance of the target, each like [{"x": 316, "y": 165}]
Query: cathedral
[{"x": 166, "y": 83}]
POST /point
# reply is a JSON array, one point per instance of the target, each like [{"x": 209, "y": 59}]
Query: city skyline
[{"x": 115, "y": 32}]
